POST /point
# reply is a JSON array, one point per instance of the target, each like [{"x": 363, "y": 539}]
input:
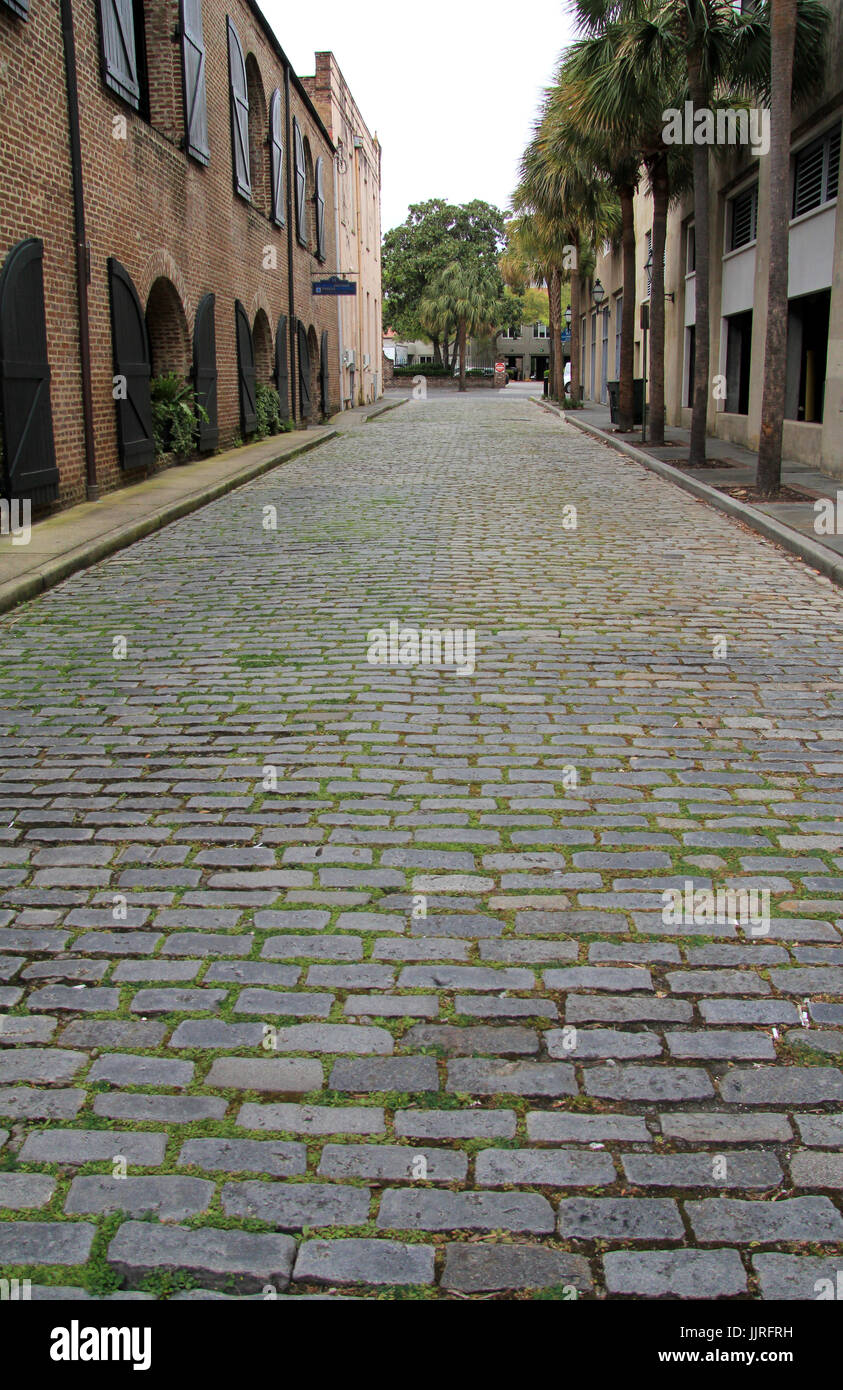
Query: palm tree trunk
[
  {"x": 445, "y": 360},
  {"x": 462, "y": 335},
  {"x": 557, "y": 388},
  {"x": 783, "y": 36},
  {"x": 659, "y": 182},
  {"x": 576, "y": 347},
  {"x": 437, "y": 353},
  {"x": 701, "y": 279},
  {"x": 626, "y": 396}
]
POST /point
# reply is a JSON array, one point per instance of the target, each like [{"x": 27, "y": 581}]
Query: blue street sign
[
  {"x": 334, "y": 285},
  {"x": 565, "y": 335}
]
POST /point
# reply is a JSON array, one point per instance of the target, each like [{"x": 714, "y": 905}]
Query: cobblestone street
[{"x": 321, "y": 975}]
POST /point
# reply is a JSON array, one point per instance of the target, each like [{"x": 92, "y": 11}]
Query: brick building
[{"x": 168, "y": 198}]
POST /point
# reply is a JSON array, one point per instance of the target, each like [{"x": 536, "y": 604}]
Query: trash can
[{"x": 614, "y": 389}]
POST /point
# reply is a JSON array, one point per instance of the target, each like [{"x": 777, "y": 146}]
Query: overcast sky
[{"x": 450, "y": 86}]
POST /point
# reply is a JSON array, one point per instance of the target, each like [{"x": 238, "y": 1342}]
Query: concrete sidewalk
[
  {"x": 790, "y": 524},
  {"x": 738, "y": 470},
  {"x": 74, "y": 539}
]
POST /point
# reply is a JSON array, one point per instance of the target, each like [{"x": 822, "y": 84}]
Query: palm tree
[
  {"x": 717, "y": 48},
  {"x": 465, "y": 295},
  {"x": 795, "y": 62},
  {"x": 619, "y": 87},
  {"x": 612, "y": 161},
  {"x": 536, "y": 247},
  {"x": 562, "y": 187}
]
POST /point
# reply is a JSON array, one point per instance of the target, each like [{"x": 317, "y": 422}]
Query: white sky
[{"x": 450, "y": 86}]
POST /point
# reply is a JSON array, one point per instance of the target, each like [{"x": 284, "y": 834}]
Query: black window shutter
[
  {"x": 301, "y": 183},
  {"x": 119, "y": 49},
  {"x": 19, "y": 7},
  {"x": 282, "y": 366},
  {"x": 239, "y": 114},
  {"x": 304, "y": 372},
  {"x": 193, "y": 73},
  {"x": 276, "y": 156},
  {"x": 29, "y": 456},
  {"x": 130, "y": 344},
  {"x": 323, "y": 373},
  {"x": 320, "y": 209},
  {"x": 205, "y": 374},
  {"x": 245, "y": 370}
]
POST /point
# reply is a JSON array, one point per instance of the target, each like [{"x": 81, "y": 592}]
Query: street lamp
[
  {"x": 598, "y": 294},
  {"x": 568, "y": 316},
  {"x": 648, "y": 266}
]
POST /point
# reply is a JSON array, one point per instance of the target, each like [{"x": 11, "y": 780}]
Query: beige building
[
  {"x": 358, "y": 232},
  {"x": 813, "y": 431}
]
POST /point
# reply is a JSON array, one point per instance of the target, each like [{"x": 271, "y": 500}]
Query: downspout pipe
[
  {"x": 337, "y": 158},
  {"x": 294, "y": 374},
  {"x": 83, "y": 253}
]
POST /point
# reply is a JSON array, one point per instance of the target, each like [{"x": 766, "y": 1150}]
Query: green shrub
[
  {"x": 422, "y": 369},
  {"x": 176, "y": 414},
  {"x": 268, "y": 407}
]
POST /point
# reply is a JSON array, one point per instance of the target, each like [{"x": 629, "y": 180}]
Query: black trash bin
[{"x": 614, "y": 387}]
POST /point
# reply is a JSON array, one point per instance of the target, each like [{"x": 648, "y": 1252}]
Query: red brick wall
[{"x": 149, "y": 205}]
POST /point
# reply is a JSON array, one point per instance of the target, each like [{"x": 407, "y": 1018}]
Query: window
[
  {"x": 690, "y": 353},
  {"x": 19, "y": 7},
  {"x": 239, "y": 97},
  {"x": 193, "y": 76},
  {"x": 738, "y": 361},
  {"x": 300, "y": 183},
  {"x": 319, "y": 209},
  {"x": 690, "y": 249},
  {"x": 618, "y": 327},
  {"x": 807, "y": 357},
  {"x": 743, "y": 218},
  {"x": 540, "y": 330},
  {"x": 815, "y": 173},
  {"x": 276, "y": 159},
  {"x": 123, "y": 51}
]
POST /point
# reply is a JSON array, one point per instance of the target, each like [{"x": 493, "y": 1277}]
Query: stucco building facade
[{"x": 357, "y": 183}]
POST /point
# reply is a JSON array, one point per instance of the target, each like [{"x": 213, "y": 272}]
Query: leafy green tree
[
  {"x": 436, "y": 234},
  {"x": 468, "y": 294}
]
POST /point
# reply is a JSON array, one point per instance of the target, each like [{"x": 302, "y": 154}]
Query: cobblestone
[{"x": 424, "y": 985}]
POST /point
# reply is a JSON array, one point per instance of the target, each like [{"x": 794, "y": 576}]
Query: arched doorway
[
  {"x": 169, "y": 335},
  {"x": 258, "y": 150},
  {"x": 174, "y": 421},
  {"x": 262, "y": 339}
]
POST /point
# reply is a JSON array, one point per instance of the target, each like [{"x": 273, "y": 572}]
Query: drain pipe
[
  {"x": 290, "y": 235},
  {"x": 83, "y": 251}
]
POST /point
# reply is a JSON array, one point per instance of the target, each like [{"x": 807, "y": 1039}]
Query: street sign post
[{"x": 334, "y": 284}]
